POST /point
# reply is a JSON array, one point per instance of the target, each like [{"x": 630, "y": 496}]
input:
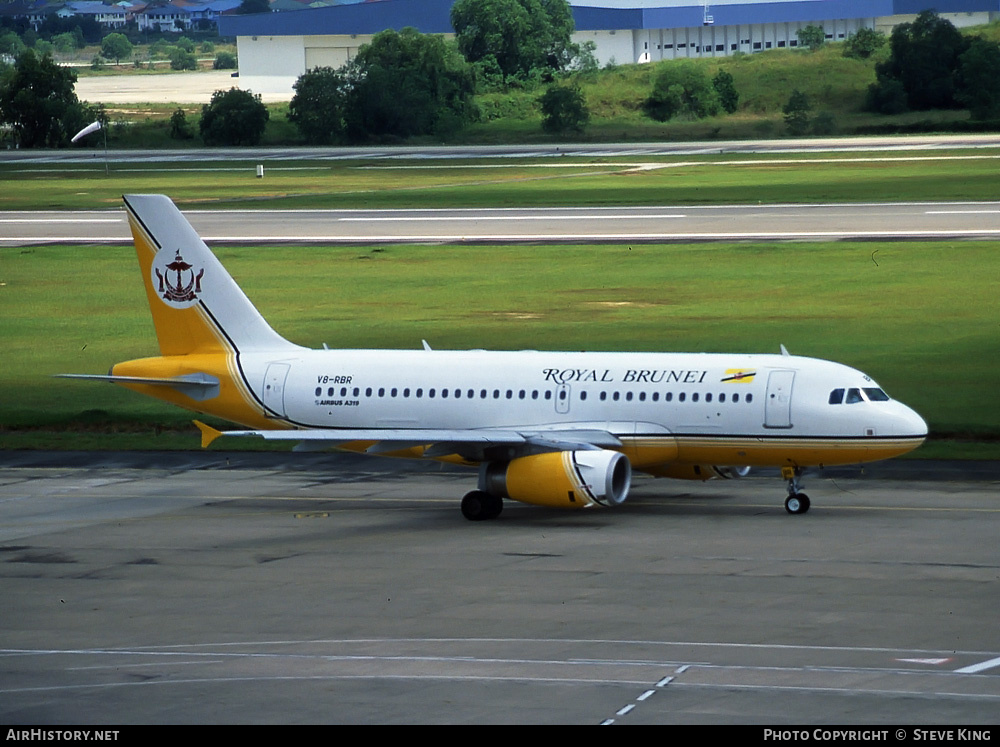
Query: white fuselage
[{"x": 706, "y": 397}]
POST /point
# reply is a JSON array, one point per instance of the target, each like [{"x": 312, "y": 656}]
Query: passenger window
[
  {"x": 583, "y": 396},
  {"x": 319, "y": 391},
  {"x": 680, "y": 397},
  {"x": 708, "y": 397},
  {"x": 749, "y": 398},
  {"x": 837, "y": 397},
  {"x": 853, "y": 396}
]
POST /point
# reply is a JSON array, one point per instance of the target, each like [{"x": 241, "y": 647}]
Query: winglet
[{"x": 208, "y": 433}]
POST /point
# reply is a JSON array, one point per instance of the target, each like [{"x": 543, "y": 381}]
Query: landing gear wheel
[
  {"x": 480, "y": 505},
  {"x": 797, "y": 503}
]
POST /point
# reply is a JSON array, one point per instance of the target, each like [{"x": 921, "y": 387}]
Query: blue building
[{"x": 276, "y": 48}]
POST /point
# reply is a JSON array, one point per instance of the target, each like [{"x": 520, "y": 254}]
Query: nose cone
[
  {"x": 911, "y": 424},
  {"x": 908, "y": 427}
]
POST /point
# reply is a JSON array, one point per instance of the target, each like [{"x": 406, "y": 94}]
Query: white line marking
[
  {"x": 625, "y": 710},
  {"x": 981, "y": 666},
  {"x": 665, "y": 681},
  {"x": 960, "y": 212},
  {"x": 414, "y": 219},
  {"x": 645, "y": 695},
  {"x": 62, "y": 220}
]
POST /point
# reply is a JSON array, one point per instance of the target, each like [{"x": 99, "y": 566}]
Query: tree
[
  {"x": 38, "y": 102},
  {"x": 179, "y": 127},
  {"x": 979, "y": 79},
  {"x": 11, "y": 44},
  {"x": 406, "y": 83},
  {"x": 317, "y": 108},
  {"x": 65, "y": 43},
  {"x": 517, "y": 38},
  {"x": 181, "y": 60},
  {"x": 224, "y": 61},
  {"x": 233, "y": 117},
  {"x": 115, "y": 47},
  {"x": 682, "y": 87},
  {"x": 563, "y": 108},
  {"x": 923, "y": 60},
  {"x": 864, "y": 43},
  {"x": 797, "y": 113},
  {"x": 729, "y": 99},
  {"x": 254, "y": 6},
  {"x": 812, "y": 37}
]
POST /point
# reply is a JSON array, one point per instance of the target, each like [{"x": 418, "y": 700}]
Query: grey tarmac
[
  {"x": 318, "y": 588},
  {"x": 636, "y": 225}
]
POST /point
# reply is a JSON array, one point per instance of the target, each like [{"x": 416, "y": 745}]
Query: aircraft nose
[{"x": 909, "y": 423}]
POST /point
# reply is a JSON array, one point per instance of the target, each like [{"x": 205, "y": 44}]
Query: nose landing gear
[{"x": 797, "y": 502}]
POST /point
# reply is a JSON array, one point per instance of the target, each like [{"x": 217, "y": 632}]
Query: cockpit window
[
  {"x": 836, "y": 396},
  {"x": 876, "y": 395},
  {"x": 853, "y": 396}
]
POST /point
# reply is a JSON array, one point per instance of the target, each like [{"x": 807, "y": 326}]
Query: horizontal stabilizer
[{"x": 197, "y": 386}]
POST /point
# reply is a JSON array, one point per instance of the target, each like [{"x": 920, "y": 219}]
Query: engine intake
[{"x": 562, "y": 479}]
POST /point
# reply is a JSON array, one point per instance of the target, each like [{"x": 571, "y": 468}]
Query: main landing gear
[
  {"x": 796, "y": 502},
  {"x": 480, "y": 505}
]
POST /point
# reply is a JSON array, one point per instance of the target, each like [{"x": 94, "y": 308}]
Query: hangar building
[{"x": 276, "y": 48}]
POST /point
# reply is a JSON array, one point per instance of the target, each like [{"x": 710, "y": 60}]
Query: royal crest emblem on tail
[{"x": 177, "y": 281}]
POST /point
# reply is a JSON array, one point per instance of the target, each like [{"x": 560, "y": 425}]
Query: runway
[
  {"x": 329, "y": 589},
  {"x": 660, "y": 224}
]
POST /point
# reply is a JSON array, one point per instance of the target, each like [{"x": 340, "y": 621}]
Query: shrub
[
  {"x": 224, "y": 61},
  {"x": 233, "y": 117},
  {"x": 563, "y": 108}
]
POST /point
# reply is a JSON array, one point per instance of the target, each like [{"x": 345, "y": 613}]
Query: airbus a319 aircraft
[{"x": 559, "y": 429}]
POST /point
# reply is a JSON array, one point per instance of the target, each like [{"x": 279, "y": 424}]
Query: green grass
[
  {"x": 922, "y": 322},
  {"x": 703, "y": 179}
]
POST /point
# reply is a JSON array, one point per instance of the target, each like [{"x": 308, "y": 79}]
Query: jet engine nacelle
[
  {"x": 562, "y": 479},
  {"x": 702, "y": 472}
]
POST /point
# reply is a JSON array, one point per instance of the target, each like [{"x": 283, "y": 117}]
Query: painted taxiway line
[
  {"x": 638, "y": 238},
  {"x": 980, "y": 667},
  {"x": 479, "y": 218}
]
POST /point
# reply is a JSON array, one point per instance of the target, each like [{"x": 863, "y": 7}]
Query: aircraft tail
[{"x": 196, "y": 305}]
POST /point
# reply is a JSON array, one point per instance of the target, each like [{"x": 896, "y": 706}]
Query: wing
[{"x": 474, "y": 444}]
